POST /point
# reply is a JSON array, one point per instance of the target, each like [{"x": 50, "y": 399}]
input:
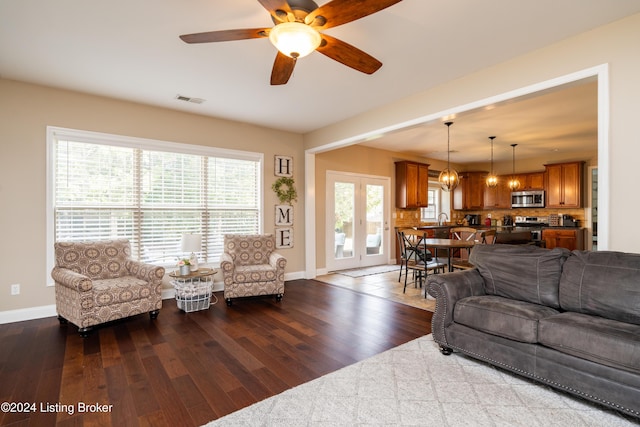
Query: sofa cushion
[
  {"x": 516, "y": 320},
  {"x": 603, "y": 283},
  {"x": 123, "y": 289},
  {"x": 523, "y": 272},
  {"x": 254, "y": 273},
  {"x": 605, "y": 341}
]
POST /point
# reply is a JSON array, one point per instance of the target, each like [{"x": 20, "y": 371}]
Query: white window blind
[{"x": 151, "y": 196}]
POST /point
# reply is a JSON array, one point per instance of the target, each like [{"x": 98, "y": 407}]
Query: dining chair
[
  {"x": 402, "y": 252},
  {"x": 460, "y": 260},
  {"x": 418, "y": 258},
  {"x": 482, "y": 237}
]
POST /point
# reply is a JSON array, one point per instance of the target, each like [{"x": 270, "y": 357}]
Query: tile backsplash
[{"x": 411, "y": 217}]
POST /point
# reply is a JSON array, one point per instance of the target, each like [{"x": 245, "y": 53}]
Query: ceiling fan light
[{"x": 295, "y": 39}]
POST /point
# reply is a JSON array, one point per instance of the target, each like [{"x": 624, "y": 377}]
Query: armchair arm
[
  {"x": 278, "y": 261},
  {"x": 149, "y": 272},
  {"x": 71, "y": 279},
  {"x": 227, "y": 267},
  {"x": 448, "y": 289}
]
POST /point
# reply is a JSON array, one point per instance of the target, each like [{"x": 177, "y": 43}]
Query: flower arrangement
[{"x": 183, "y": 261}]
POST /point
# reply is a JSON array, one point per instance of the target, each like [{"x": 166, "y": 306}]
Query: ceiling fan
[{"x": 296, "y": 33}]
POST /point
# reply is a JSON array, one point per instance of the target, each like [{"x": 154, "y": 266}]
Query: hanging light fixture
[
  {"x": 514, "y": 184},
  {"x": 448, "y": 178},
  {"x": 295, "y": 39},
  {"x": 492, "y": 179}
]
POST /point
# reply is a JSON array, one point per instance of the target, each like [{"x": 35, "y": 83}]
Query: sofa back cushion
[
  {"x": 521, "y": 272},
  {"x": 249, "y": 249},
  {"x": 104, "y": 259},
  {"x": 602, "y": 283}
]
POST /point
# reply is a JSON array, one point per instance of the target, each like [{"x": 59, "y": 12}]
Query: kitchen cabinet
[
  {"x": 469, "y": 194},
  {"x": 412, "y": 185},
  {"x": 564, "y": 185},
  {"x": 569, "y": 238},
  {"x": 499, "y": 196},
  {"x": 531, "y": 181}
]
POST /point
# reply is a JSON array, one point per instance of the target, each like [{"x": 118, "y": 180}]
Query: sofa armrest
[
  {"x": 148, "y": 272},
  {"x": 448, "y": 289},
  {"x": 71, "y": 279},
  {"x": 227, "y": 266},
  {"x": 278, "y": 261}
]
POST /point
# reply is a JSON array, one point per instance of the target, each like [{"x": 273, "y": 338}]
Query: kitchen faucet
[{"x": 446, "y": 218}]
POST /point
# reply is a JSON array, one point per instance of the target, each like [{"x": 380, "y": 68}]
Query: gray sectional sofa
[{"x": 570, "y": 320}]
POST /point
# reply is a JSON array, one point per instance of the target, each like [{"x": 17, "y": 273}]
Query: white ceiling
[
  {"x": 562, "y": 119},
  {"x": 129, "y": 49}
]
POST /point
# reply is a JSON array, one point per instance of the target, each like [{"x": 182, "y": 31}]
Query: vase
[{"x": 185, "y": 270}]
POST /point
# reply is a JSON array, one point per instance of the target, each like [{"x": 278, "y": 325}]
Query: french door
[{"x": 357, "y": 220}]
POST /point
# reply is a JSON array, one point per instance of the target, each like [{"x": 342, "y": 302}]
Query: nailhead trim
[{"x": 543, "y": 380}]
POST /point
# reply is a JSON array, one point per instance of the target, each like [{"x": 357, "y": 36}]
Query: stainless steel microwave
[{"x": 527, "y": 199}]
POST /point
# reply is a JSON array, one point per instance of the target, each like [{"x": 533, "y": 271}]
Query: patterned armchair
[
  {"x": 250, "y": 266},
  {"x": 97, "y": 282}
]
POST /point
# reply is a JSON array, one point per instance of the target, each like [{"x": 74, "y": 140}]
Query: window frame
[{"x": 58, "y": 133}]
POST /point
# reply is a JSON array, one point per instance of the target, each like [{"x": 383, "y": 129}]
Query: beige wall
[
  {"x": 615, "y": 44},
  {"x": 25, "y": 112},
  {"x": 361, "y": 160}
]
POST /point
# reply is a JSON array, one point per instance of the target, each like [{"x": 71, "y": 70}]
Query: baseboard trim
[{"x": 31, "y": 313}]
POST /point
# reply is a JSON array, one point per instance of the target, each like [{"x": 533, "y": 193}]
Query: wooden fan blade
[
  {"x": 274, "y": 6},
  {"x": 282, "y": 69},
  {"x": 348, "y": 55},
  {"x": 338, "y": 12},
  {"x": 226, "y": 35}
]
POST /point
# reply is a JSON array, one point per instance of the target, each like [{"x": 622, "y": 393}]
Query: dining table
[{"x": 448, "y": 244}]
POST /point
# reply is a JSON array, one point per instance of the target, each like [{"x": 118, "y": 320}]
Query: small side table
[{"x": 193, "y": 291}]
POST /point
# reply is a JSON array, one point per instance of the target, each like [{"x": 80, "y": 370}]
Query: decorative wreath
[{"x": 287, "y": 194}]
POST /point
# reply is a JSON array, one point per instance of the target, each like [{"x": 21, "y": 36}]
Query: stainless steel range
[{"x": 533, "y": 224}]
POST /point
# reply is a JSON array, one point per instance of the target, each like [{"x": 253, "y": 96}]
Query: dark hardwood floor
[{"x": 186, "y": 369}]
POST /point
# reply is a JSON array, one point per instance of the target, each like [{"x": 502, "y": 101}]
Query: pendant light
[
  {"x": 448, "y": 178},
  {"x": 514, "y": 184},
  {"x": 492, "y": 179}
]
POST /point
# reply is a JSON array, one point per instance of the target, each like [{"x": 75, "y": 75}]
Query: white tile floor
[{"x": 384, "y": 285}]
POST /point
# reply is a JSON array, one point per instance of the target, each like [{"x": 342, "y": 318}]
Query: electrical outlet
[
  {"x": 15, "y": 289},
  {"x": 488, "y": 215}
]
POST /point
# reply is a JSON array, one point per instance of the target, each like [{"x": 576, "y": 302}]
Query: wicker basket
[{"x": 193, "y": 295}]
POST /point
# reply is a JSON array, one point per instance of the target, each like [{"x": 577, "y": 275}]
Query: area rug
[
  {"x": 414, "y": 384},
  {"x": 367, "y": 271}
]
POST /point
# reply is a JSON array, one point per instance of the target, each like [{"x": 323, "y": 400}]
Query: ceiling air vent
[{"x": 189, "y": 99}]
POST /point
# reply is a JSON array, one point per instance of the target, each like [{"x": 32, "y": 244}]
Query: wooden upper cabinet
[
  {"x": 498, "y": 196},
  {"x": 530, "y": 181},
  {"x": 564, "y": 185},
  {"x": 534, "y": 181},
  {"x": 412, "y": 185},
  {"x": 469, "y": 194}
]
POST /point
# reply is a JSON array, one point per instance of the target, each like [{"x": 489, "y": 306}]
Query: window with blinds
[{"x": 151, "y": 193}]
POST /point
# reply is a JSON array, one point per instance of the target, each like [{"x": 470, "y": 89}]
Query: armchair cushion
[{"x": 249, "y": 249}]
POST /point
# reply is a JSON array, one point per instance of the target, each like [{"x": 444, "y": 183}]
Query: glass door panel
[{"x": 344, "y": 207}]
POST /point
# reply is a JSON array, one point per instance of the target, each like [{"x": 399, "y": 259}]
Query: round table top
[{"x": 201, "y": 272}]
